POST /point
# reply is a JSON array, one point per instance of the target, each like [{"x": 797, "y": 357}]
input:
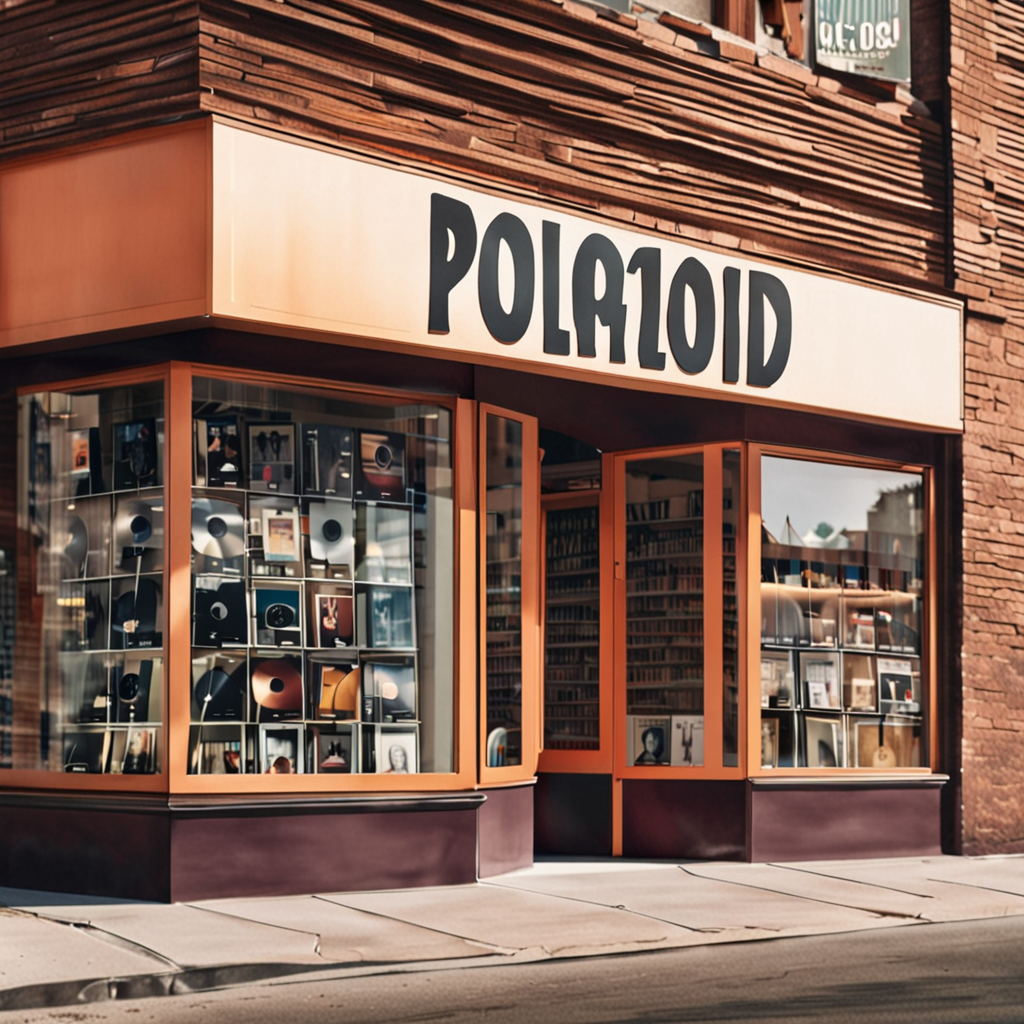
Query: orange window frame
[
  {"x": 531, "y": 650},
  {"x": 929, "y": 729}
]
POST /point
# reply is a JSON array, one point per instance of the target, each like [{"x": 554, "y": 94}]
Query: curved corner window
[
  {"x": 84, "y": 680},
  {"x": 842, "y": 593}
]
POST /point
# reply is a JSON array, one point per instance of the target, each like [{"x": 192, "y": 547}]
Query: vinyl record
[
  {"x": 136, "y": 528},
  {"x": 330, "y": 532},
  {"x": 220, "y": 695},
  {"x": 218, "y": 529},
  {"x": 77, "y": 547},
  {"x": 277, "y": 685}
]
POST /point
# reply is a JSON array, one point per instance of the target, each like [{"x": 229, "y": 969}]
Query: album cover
[
  {"x": 327, "y": 460},
  {"x": 81, "y": 537},
  {"x": 83, "y": 609},
  {"x": 135, "y": 455},
  {"x": 281, "y": 535},
  {"x": 84, "y": 683},
  {"x": 381, "y": 467},
  {"x": 278, "y": 616},
  {"x": 139, "y": 534},
  {"x": 896, "y": 687},
  {"x": 777, "y": 682},
  {"x": 277, "y": 687},
  {"x": 220, "y": 613},
  {"x": 860, "y": 627},
  {"x": 393, "y": 686},
  {"x": 820, "y": 674},
  {"x": 859, "y": 690},
  {"x": 272, "y": 457},
  {"x": 385, "y": 616},
  {"x": 135, "y": 689},
  {"x": 136, "y": 613},
  {"x": 331, "y": 622},
  {"x": 824, "y": 742},
  {"x": 687, "y": 743},
  {"x": 86, "y": 473},
  {"x": 338, "y": 690},
  {"x": 218, "y": 452},
  {"x": 115, "y": 747},
  {"x": 83, "y": 751},
  {"x": 219, "y": 684},
  {"x": 141, "y": 751},
  {"x": 881, "y": 744},
  {"x": 331, "y": 751},
  {"x": 331, "y": 538},
  {"x": 281, "y": 750},
  {"x": 215, "y": 751},
  {"x": 218, "y": 536},
  {"x": 396, "y": 752},
  {"x": 650, "y": 739},
  {"x": 384, "y": 548}
]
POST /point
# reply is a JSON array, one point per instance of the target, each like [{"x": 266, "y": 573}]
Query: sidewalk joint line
[
  {"x": 809, "y": 899},
  {"x": 854, "y": 881},
  {"x": 973, "y": 885}
]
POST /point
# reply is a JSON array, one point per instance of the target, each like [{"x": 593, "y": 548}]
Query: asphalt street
[{"x": 961, "y": 972}]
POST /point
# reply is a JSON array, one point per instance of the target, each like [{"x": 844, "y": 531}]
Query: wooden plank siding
[
  {"x": 986, "y": 101},
  {"x": 648, "y": 123}
]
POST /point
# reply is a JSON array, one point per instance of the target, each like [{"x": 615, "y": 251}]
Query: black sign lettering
[
  {"x": 448, "y": 215},
  {"x": 556, "y": 339},
  {"x": 694, "y": 275},
  {"x": 609, "y": 309},
  {"x": 648, "y": 262},
  {"x": 508, "y": 327},
  {"x": 765, "y": 286},
  {"x": 731, "y": 326}
]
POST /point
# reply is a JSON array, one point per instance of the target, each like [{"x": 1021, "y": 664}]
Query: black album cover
[
  {"x": 139, "y": 535},
  {"x": 220, "y": 615},
  {"x": 218, "y": 452},
  {"x": 327, "y": 460},
  {"x": 131, "y": 685},
  {"x": 381, "y": 467},
  {"x": 135, "y": 455},
  {"x": 393, "y": 686},
  {"x": 385, "y": 615},
  {"x": 272, "y": 457},
  {"x": 218, "y": 688},
  {"x": 136, "y": 614},
  {"x": 278, "y": 617}
]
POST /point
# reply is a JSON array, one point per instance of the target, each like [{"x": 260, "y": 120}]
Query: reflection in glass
[
  {"x": 730, "y": 608},
  {"x": 842, "y": 584},
  {"x": 665, "y": 611},
  {"x": 87, "y": 675},
  {"x": 504, "y": 511}
]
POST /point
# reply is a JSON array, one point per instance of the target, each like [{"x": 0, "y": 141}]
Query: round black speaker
[
  {"x": 279, "y": 616},
  {"x": 331, "y": 530},
  {"x": 128, "y": 687},
  {"x": 141, "y": 529},
  {"x": 217, "y": 527},
  {"x": 383, "y": 456}
]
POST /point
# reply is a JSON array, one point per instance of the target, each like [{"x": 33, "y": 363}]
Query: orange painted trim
[
  {"x": 752, "y": 634},
  {"x": 465, "y": 583},
  {"x": 616, "y": 817},
  {"x": 930, "y": 649},
  {"x": 598, "y": 761},
  {"x": 178, "y": 570},
  {"x": 714, "y": 603}
]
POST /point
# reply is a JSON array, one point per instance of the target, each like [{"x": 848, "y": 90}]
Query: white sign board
[{"x": 315, "y": 240}]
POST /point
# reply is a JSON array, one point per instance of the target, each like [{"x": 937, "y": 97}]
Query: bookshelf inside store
[
  {"x": 572, "y": 640},
  {"x": 665, "y": 611},
  {"x": 842, "y": 590}
]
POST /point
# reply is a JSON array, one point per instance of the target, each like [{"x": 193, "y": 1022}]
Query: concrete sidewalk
[{"x": 60, "y": 950}]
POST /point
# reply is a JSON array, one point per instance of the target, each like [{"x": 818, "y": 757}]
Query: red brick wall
[{"x": 987, "y": 87}]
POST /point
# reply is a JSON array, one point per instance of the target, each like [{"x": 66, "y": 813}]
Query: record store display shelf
[
  {"x": 306, "y": 555},
  {"x": 97, "y": 509},
  {"x": 572, "y": 640},
  {"x": 840, "y": 674}
]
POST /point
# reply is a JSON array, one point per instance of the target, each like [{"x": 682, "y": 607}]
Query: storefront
[{"x": 499, "y": 516}]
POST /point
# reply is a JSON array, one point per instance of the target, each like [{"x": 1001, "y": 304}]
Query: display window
[
  {"x": 86, "y": 674},
  {"x": 843, "y": 667},
  {"x": 509, "y": 590}
]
